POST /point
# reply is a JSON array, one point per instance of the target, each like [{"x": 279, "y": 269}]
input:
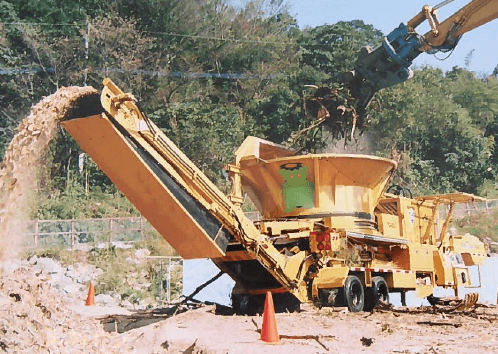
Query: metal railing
[
  {"x": 85, "y": 233},
  {"x": 169, "y": 277},
  {"x": 468, "y": 209},
  {"x": 88, "y": 233}
]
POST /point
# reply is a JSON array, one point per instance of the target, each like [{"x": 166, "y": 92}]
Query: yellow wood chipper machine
[{"x": 329, "y": 233}]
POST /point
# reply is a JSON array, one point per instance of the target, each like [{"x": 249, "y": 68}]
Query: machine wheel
[
  {"x": 353, "y": 295},
  {"x": 240, "y": 303},
  {"x": 328, "y": 297},
  {"x": 286, "y": 302},
  {"x": 244, "y": 304},
  {"x": 378, "y": 291}
]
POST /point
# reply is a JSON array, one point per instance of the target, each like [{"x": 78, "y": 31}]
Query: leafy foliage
[
  {"x": 203, "y": 120},
  {"x": 445, "y": 150},
  {"x": 334, "y": 48}
]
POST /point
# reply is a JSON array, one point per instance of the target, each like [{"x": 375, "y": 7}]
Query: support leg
[{"x": 403, "y": 298}]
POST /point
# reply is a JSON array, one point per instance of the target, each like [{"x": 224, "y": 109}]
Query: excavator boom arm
[
  {"x": 473, "y": 15},
  {"x": 389, "y": 64}
]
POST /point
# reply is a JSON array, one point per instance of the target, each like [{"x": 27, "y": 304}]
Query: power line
[
  {"x": 168, "y": 34},
  {"x": 191, "y": 75},
  {"x": 10, "y": 71},
  {"x": 42, "y": 24},
  {"x": 175, "y": 74}
]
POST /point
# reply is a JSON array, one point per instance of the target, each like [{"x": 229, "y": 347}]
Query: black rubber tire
[
  {"x": 245, "y": 304},
  {"x": 286, "y": 302},
  {"x": 378, "y": 291},
  {"x": 353, "y": 294},
  {"x": 240, "y": 303}
]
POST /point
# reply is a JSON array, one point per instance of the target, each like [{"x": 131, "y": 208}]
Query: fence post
[
  {"x": 142, "y": 233},
  {"x": 160, "y": 278},
  {"x": 36, "y": 232},
  {"x": 169, "y": 280},
  {"x": 110, "y": 230},
  {"x": 72, "y": 233}
]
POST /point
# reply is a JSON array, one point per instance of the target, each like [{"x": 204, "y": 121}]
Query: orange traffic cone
[
  {"x": 90, "y": 300},
  {"x": 269, "y": 332}
]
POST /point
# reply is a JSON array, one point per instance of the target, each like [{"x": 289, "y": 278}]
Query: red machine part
[{"x": 322, "y": 239}]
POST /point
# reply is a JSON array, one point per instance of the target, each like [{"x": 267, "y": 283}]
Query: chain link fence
[{"x": 88, "y": 234}]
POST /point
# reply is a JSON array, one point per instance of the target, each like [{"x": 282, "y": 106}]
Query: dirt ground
[
  {"x": 36, "y": 317},
  {"x": 320, "y": 331}
]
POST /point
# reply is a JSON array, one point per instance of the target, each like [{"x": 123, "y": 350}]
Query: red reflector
[
  {"x": 328, "y": 246},
  {"x": 320, "y": 246},
  {"x": 319, "y": 238}
]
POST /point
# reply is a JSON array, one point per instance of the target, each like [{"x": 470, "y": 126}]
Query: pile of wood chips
[{"x": 35, "y": 319}]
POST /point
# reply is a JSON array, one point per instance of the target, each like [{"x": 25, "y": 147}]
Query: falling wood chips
[
  {"x": 23, "y": 158},
  {"x": 32, "y": 318}
]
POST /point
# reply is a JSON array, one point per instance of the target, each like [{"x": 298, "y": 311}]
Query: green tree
[
  {"x": 334, "y": 48},
  {"x": 444, "y": 150},
  {"x": 207, "y": 133}
]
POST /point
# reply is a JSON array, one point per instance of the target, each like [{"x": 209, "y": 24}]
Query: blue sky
[{"x": 386, "y": 15}]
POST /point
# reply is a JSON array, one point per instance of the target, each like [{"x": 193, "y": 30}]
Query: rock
[
  {"x": 142, "y": 253},
  {"x": 122, "y": 245},
  {"x": 126, "y": 304},
  {"x": 73, "y": 288},
  {"x": 11, "y": 266},
  {"x": 106, "y": 300},
  {"x": 48, "y": 265}
]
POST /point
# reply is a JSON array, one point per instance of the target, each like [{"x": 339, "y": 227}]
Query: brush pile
[{"x": 331, "y": 109}]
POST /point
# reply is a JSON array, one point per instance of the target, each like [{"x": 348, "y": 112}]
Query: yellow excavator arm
[
  {"x": 389, "y": 64},
  {"x": 473, "y": 15}
]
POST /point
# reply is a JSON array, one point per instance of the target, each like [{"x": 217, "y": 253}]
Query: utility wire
[
  {"x": 176, "y": 74},
  {"x": 170, "y": 34},
  {"x": 191, "y": 75},
  {"x": 42, "y": 24},
  {"x": 10, "y": 71}
]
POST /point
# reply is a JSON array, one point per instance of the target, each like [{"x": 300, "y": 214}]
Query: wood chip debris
[
  {"x": 317, "y": 338},
  {"x": 24, "y": 157},
  {"x": 35, "y": 319}
]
